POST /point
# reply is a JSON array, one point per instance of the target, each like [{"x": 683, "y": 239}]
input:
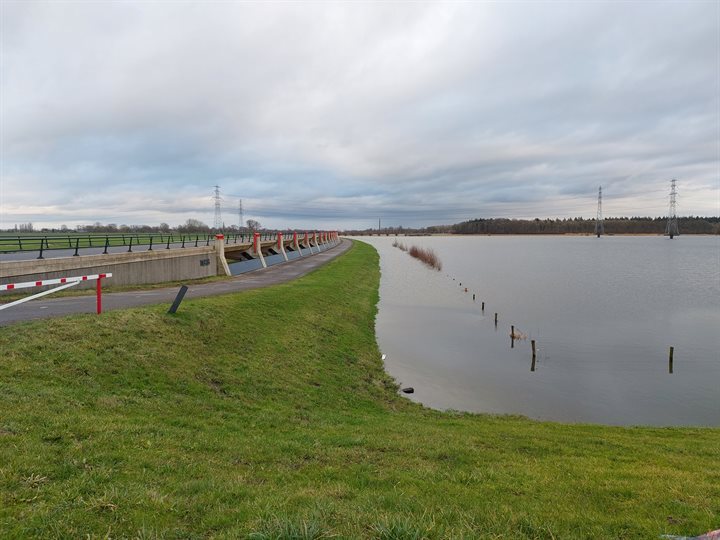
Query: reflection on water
[{"x": 603, "y": 314}]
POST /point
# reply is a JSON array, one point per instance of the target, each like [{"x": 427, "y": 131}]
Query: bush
[{"x": 427, "y": 256}]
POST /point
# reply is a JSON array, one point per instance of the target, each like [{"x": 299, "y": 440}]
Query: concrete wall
[{"x": 127, "y": 268}]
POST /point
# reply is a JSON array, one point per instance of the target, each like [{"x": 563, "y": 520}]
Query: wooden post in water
[
  {"x": 473, "y": 297},
  {"x": 670, "y": 364},
  {"x": 483, "y": 307},
  {"x": 496, "y": 319},
  {"x": 532, "y": 366},
  {"x": 512, "y": 337}
]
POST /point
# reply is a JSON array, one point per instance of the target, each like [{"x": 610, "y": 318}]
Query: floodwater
[{"x": 603, "y": 312}]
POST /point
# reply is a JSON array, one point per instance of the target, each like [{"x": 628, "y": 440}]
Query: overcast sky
[{"x": 332, "y": 114}]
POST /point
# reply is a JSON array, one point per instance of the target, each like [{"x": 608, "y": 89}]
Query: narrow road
[{"x": 280, "y": 273}]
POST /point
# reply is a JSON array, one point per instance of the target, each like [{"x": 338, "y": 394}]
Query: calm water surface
[{"x": 603, "y": 312}]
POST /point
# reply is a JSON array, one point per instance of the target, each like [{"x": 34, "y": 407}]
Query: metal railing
[
  {"x": 150, "y": 241},
  {"x": 23, "y": 243}
]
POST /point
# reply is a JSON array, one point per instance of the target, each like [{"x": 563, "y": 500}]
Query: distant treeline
[
  {"x": 193, "y": 226},
  {"x": 631, "y": 225}
]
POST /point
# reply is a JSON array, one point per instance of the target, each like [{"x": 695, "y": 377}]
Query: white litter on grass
[
  {"x": 384, "y": 356},
  {"x": 710, "y": 535}
]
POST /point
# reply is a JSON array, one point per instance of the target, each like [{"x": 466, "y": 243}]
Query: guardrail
[{"x": 41, "y": 244}]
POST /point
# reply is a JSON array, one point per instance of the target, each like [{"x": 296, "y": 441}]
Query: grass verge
[{"x": 267, "y": 414}]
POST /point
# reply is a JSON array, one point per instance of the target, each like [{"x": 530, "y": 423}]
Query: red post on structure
[
  {"x": 279, "y": 235},
  {"x": 294, "y": 237},
  {"x": 99, "y": 294},
  {"x": 255, "y": 242}
]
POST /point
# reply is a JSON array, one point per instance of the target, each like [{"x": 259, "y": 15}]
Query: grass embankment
[{"x": 267, "y": 413}]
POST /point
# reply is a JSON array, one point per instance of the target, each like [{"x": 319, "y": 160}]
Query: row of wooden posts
[
  {"x": 512, "y": 333},
  {"x": 532, "y": 341}
]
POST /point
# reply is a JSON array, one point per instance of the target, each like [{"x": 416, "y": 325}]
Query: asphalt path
[{"x": 45, "y": 307}]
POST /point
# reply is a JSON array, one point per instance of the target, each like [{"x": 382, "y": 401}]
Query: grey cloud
[{"x": 424, "y": 113}]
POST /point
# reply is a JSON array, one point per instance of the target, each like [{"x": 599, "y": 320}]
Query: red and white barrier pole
[{"x": 64, "y": 283}]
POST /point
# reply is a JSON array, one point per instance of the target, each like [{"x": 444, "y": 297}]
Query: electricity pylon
[
  {"x": 599, "y": 223},
  {"x": 671, "y": 229},
  {"x": 217, "y": 225},
  {"x": 240, "y": 215}
]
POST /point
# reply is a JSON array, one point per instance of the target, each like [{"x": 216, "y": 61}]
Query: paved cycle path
[{"x": 45, "y": 307}]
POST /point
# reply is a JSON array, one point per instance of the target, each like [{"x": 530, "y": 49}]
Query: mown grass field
[{"x": 267, "y": 414}]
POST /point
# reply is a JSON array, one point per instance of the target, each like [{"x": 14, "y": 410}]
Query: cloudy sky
[{"x": 332, "y": 114}]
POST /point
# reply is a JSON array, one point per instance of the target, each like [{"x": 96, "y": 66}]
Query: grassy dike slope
[{"x": 268, "y": 414}]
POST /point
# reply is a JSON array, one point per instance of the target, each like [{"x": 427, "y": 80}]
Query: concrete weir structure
[
  {"x": 158, "y": 266},
  {"x": 259, "y": 249}
]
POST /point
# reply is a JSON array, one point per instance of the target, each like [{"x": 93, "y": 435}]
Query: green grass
[{"x": 267, "y": 415}]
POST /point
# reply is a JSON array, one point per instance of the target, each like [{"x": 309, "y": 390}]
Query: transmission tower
[
  {"x": 217, "y": 224},
  {"x": 240, "y": 215},
  {"x": 671, "y": 229},
  {"x": 599, "y": 222}
]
